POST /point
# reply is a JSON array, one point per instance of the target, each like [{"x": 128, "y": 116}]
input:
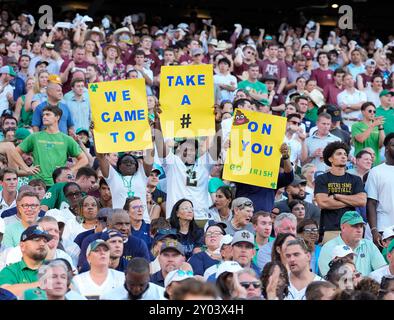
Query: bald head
[{"x": 54, "y": 92}]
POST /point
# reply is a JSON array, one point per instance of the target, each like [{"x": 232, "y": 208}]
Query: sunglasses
[
  {"x": 311, "y": 230},
  {"x": 371, "y": 111},
  {"x": 295, "y": 122},
  {"x": 182, "y": 273},
  {"x": 247, "y": 284},
  {"x": 74, "y": 194}
]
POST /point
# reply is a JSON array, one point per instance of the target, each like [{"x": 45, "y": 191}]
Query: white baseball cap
[
  {"x": 388, "y": 232},
  {"x": 341, "y": 251},
  {"x": 177, "y": 275},
  {"x": 2, "y": 226},
  {"x": 226, "y": 239},
  {"x": 228, "y": 266}
]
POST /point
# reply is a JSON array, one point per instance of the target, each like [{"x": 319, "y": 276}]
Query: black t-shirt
[
  {"x": 347, "y": 184},
  {"x": 159, "y": 196},
  {"x": 344, "y": 135}
]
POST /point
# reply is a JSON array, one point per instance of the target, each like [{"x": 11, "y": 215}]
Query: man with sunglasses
[
  {"x": 23, "y": 275},
  {"x": 367, "y": 256},
  {"x": 295, "y": 138}
]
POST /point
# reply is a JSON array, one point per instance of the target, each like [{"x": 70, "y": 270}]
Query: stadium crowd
[{"x": 162, "y": 223}]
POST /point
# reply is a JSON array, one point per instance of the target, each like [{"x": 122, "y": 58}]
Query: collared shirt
[
  {"x": 368, "y": 257},
  {"x": 18, "y": 273},
  {"x": 80, "y": 110},
  {"x": 293, "y": 75},
  {"x": 4, "y": 206},
  {"x": 157, "y": 278},
  {"x": 257, "y": 248},
  {"x": 315, "y": 142}
]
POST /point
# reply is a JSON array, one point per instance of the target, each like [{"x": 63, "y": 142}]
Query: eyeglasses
[
  {"x": 247, "y": 284},
  {"x": 30, "y": 206},
  {"x": 311, "y": 230},
  {"x": 183, "y": 273},
  {"x": 142, "y": 207},
  {"x": 70, "y": 176},
  {"x": 74, "y": 194},
  {"x": 214, "y": 234},
  {"x": 371, "y": 111}
]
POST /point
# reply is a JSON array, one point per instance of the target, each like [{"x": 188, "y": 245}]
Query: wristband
[
  {"x": 374, "y": 228},
  {"x": 381, "y": 128}
]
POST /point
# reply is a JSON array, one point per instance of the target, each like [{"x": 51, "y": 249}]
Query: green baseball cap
[
  {"x": 390, "y": 246},
  {"x": 352, "y": 218},
  {"x": 22, "y": 133},
  {"x": 79, "y": 130},
  {"x": 385, "y": 92},
  {"x": 9, "y": 70}
]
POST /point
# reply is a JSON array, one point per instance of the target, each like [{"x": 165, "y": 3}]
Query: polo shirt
[
  {"x": 18, "y": 273},
  {"x": 65, "y": 121},
  {"x": 257, "y": 248},
  {"x": 367, "y": 260},
  {"x": 157, "y": 278}
]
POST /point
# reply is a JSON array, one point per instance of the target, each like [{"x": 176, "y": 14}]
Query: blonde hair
[{"x": 37, "y": 88}]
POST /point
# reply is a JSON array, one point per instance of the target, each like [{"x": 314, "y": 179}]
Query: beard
[
  {"x": 299, "y": 197},
  {"x": 136, "y": 297},
  {"x": 40, "y": 255}
]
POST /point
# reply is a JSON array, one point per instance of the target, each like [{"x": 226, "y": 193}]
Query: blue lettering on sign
[
  {"x": 110, "y": 96},
  {"x": 179, "y": 81},
  {"x": 265, "y": 129},
  {"x": 170, "y": 78},
  {"x": 189, "y": 80},
  {"x": 201, "y": 79},
  {"x": 129, "y": 136},
  {"x": 267, "y": 153},
  {"x": 185, "y": 100},
  {"x": 256, "y": 148},
  {"x": 140, "y": 114},
  {"x": 114, "y": 136},
  {"x": 244, "y": 145},
  {"x": 117, "y": 117},
  {"x": 105, "y": 114},
  {"x": 126, "y": 95}
]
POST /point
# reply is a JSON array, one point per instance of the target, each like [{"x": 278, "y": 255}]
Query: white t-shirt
[
  {"x": 193, "y": 186},
  {"x": 372, "y": 96},
  {"x": 73, "y": 228},
  {"x": 295, "y": 148},
  {"x": 84, "y": 284},
  {"x": 380, "y": 187},
  {"x": 123, "y": 187},
  {"x": 378, "y": 274},
  {"x": 226, "y": 128},
  {"x": 346, "y": 97},
  {"x": 4, "y": 104},
  {"x": 295, "y": 294},
  {"x": 229, "y": 80},
  {"x": 154, "y": 292}
]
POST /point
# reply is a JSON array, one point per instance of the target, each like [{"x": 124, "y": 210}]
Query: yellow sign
[
  {"x": 120, "y": 115},
  {"x": 187, "y": 101},
  {"x": 254, "y": 154}
]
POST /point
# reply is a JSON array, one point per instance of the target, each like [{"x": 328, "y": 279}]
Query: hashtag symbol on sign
[
  {"x": 94, "y": 87},
  {"x": 185, "y": 121}
]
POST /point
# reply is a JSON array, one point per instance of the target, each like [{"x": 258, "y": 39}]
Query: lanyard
[{"x": 127, "y": 185}]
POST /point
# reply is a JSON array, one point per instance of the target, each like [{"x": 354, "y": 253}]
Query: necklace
[{"x": 127, "y": 185}]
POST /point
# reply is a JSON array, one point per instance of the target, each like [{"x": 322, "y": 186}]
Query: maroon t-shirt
[
  {"x": 367, "y": 80},
  {"x": 238, "y": 70},
  {"x": 331, "y": 92},
  {"x": 78, "y": 66},
  {"x": 126, "y": 55},
  {"x": 276, "y": 69},
  {"x": 322, "y": 77}
]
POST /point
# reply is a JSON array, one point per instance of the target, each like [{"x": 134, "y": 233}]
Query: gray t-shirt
[{"x": 231, "y": 230}]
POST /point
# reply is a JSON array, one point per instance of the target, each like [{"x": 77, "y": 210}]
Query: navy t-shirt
[
  {"x": 263, "y": 198},
  {"x": 157, "y": 278},
  {"x": 200, "y": 262},
  {"x": 143, "y": 233},
  {"x": 189, "y": 242},
  {"x": 80, "y": 237}
]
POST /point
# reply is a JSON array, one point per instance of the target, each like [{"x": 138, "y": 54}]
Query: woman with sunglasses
[
  {"x": 308, "y": 230},
  {"x": 182, "y": 220},
  {"x": 369, "y": 132}
]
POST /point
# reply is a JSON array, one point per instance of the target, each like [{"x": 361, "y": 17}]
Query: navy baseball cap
[
  {"x": 106, "y": 235},
  {"x": 33, "y": 232},
  {"x": 165, "y": 233}
]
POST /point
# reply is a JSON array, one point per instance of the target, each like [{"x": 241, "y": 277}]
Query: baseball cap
[
  {"x": 370, "y": 63},
  {"x": 165, "y": 233},
  {"x": 35, "y": 231},
  {"x": 106, "y": 235},
  {"x": 241, "y": 201},
  {"x": 341, "y": 251},
  {"x": 387, "y": 232},
  {"x": 41, "y": 62},
  {"x": 9, "y": 70},
  {"x": 196, "y": 51},
  {"x": 49, "y": 45},
  {"x": 79, "y": 130},
  {"x": 270, "y": 77},
  {"x": 2, "y": 225},
  {"x": 228, "y": 266},
  {"x": 352, "y": 218},
  {"x": 55, "y": 79},
  {"x": 22, "y": 133},
  {"x": 308, "y": 55},
  {"x": 174, "y": 245},
  {"x": 35, "y": 294},
  {"x": 334, "y": 112},
  {"x": 243, "y": 236},
  {"x": 384, "y": 92},
  {"x": 212, "y": 223},
  {"x": 227, "y": 239},
  {"x": 297, "y": 181},
  {"x": 177, "y": 275},
  {"x": 390, "y": 246},
  {"x": 95, "y": 244}
]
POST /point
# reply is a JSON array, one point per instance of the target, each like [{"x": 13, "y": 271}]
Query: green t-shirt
[
  {"x": 311, "y": 114},
  {"x": 12, "y": 234},
  {"x": 50, "y": 151},
  {"x": 258, "y": 86},
  {"x": 18, "y": 273},
  {"x": 388, "y": 119},
  {"x": 214, "y": 184},
  {"x": 372, "y": 141},
  {"x": 54, "y": 197}
]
